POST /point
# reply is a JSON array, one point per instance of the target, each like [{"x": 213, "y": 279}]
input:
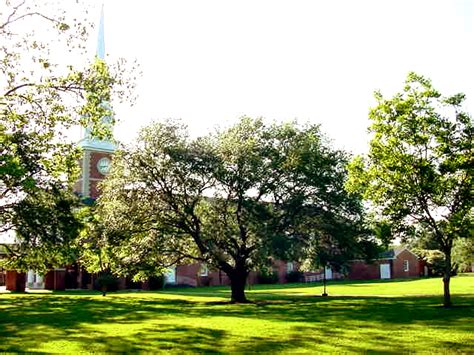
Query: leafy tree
[
  {"x": 418, "y": 173},
  {"x": 43, "y": 220},
  {"x": 463, "y": 254},
  {"x": 232, "y": 200},
  {"x": 41, "y": 97},
  {"x": 118, "y": 250}
]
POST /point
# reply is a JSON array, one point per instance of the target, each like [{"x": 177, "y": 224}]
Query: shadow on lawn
[
  {"x": 224, "y": 291},
  {"x": 27, "y": 321}
]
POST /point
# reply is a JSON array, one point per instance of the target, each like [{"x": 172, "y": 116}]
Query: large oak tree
[{"x": 232, "y": 199}]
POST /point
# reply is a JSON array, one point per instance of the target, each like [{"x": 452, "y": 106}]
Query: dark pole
[{"x": 324, "y": 282}]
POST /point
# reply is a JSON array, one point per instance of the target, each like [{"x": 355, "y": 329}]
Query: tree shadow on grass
[
  {"x": 163, "y": 337},
  {"x": 256, "y": 290},
  {"x": 29, "y": 320}
]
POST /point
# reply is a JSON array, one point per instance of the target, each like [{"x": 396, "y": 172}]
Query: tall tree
[
  {"x": 231, "y": 200},
  {"x": 42, "y": 95},
  {"x": 418, "y": 173}
]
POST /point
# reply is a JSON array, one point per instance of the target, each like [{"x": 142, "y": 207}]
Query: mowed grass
[{"x": 379, "y": 316}]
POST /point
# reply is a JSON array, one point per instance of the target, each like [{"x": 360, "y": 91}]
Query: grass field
[{"x": 383, "y": 317}]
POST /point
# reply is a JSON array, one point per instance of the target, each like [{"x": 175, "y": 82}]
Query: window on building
[
  {"x": 203, "y": 271},
  {"x": 406, "y": 265},
  {"x": 290, "y": 267},
  {"x": 170, "y": 275}
]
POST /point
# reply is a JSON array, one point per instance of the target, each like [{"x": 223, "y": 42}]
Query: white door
[
  {"x": 384, "y": 271},
  {"x": 170, "y": 275},
  {"x": 328, "y": 273},
  {"x": 30, "y": 279}
]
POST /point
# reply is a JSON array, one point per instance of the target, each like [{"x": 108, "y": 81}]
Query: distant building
[{"x": 392, "y": 264}]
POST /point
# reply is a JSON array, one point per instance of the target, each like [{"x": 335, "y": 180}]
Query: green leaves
[
  {"x": 46, "y": 229},
  {"x": 233, "y": 199},
  {"x": 41, "y": 98},
  {"x": 419, "y": 170},
  {"x": 63, "y": 26}
]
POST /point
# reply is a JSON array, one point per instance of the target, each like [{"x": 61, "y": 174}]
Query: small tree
[
  {"x": 107, "y": 248},
  {"x": 418, "y": 174}
]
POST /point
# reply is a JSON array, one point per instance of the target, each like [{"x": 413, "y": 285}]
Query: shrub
[
  {"x": 156, "y": 282},
  {"x": 204, "y": 281},
  {"x": 294, "y": 276},
  {"x": 106, "y": 282},
  {"x": 267, "y": 277}
]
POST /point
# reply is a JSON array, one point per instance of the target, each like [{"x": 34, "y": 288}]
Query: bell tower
[{"x": 96, "y": 153}]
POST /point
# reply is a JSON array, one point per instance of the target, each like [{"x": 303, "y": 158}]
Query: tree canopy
[
  {"x": 233, "y": 200},
  {"x": 42, "y": 95},
  {"x": 418, "y": 173}
]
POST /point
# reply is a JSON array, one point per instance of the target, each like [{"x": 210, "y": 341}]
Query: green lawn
[{"x": 383, "y": 317}]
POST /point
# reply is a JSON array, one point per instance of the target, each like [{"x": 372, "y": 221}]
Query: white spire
[
  {"x": 100, "y": 38},
  {"x": 87, "y": 141}
]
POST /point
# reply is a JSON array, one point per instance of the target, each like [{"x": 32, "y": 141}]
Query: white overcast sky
[{"x": 210, "y": 62}]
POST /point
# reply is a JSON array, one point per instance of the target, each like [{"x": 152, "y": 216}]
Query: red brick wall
[
  {"x": 94, "y": 189},
  {"x": 360, "y": 270},
  {"x": 95, "y": 174},
  {"x": 413, "y": 265},
  {"x": 55, "y": 280},
  {"x": 187, "y": 274},
  {"x": 49, "y": 280},
  {"x": 252, "y": 279},
  {"x": 15, "y": 281},
  {"x": 94, "y": 159},
  {"x": 60, "y": 280},
  {"x": 281, "y": 268},
  {"x": 217, "y": 277},
  {"x": 94, "y": 177}
]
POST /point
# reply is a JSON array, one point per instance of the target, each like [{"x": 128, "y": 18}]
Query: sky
[{"x": 210, "y": 62}]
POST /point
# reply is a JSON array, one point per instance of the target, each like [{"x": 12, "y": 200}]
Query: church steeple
[
  {"x": 87, "y": 141},
  {"x": 100, "y": 38},
  {"x": 97, "y": 153}
]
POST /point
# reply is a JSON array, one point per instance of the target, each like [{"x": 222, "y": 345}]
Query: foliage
[
  {"x": 44, "y": 220},
  {"x": 106, "y": 282},
  {"x": 436, "y": 260},
  {"x": 267, "y": 276},
  {"x": 463, "y": 254},
  {"x": 230, "y": 199},
  {"x": 41, "y": 96},
  {"x": 295, "y": 276},
  {"x": 418, "y": 174},
  {"x": 156, "y": 282},
  {"x": 103, "y": 248}
]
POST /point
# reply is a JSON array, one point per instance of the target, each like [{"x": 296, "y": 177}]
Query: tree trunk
[
  {"x": 238, "y": 280},
  {"x": 446, "y": 280}
]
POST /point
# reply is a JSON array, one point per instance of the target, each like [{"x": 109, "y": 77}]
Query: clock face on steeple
[{"x": 103, "y": 165}]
